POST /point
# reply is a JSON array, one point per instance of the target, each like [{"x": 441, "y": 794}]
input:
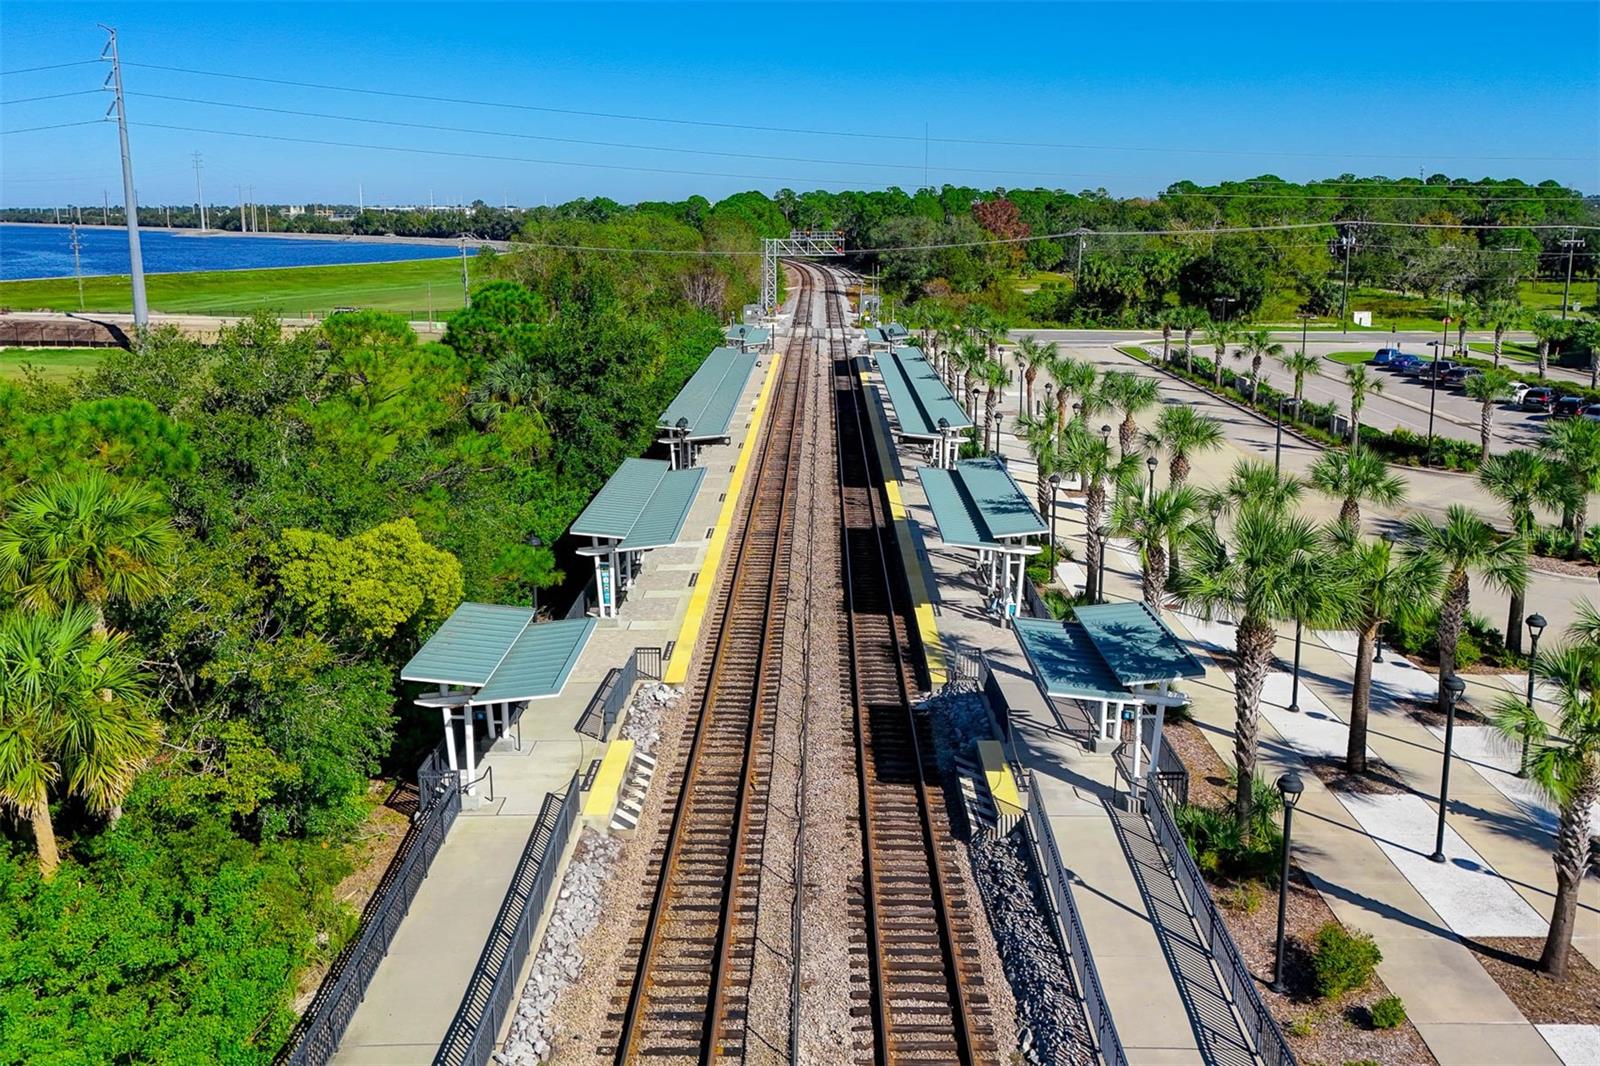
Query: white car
[{"x": 1518, "y": 391}]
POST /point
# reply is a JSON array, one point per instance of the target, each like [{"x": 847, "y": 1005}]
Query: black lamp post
[
  {"x": 1277, "y": 446},
  {"x": 1289, "y": 787},
  {"x": 1105, "y": 434},
  {"x": 1536, "y": 624},
  {"x": 944, "y": 442},
  {"x": 683, "y": 439},
  {"x": 1453, "y": 687},
  {"x": 1100, "y": 583},
  {"x": 1055, "y": 493},
  {"x": 535, "y": 542},
  {"x": 1152, "y": 463},
  {"x": 1049, "y": 395},
  {"x": 1294, "y": 685}
]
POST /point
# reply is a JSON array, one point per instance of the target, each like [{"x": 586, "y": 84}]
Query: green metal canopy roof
[
  {"x": 747, "y": 334},
  {"x": 708, "y": 399},
  {"x": 500, "y": 651},
  {"x": 920, "y": 399},
  {"x": 976, "y": 503},
  {"x": 1064, "y": 659},
  {"x": 1104, "y": 651},
  {"x": 643, "y": 505},
  {"x": 1137, "y": 645},
  {"x": 876, "y": 335},
  {"x": 895, "y": 331}
]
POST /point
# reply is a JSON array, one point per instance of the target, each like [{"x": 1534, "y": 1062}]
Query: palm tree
[
  {"x": 1363, "y": 385},
  {"x": 1301, "y": 365},
  {"x": 1500, "y": 316},
  {"x": 1256, "y": 345},
  {"x": 1488, "y": 388},
  {"x": 74, "y": 714},
  {"x": 1260, "y": 581},
  {"x": 1033, "y": 356},
  {"x": 1042, "y": 435},
  {"x": 1519, "y": 479},
  {"x": 1546, "y": 328},
  {"x": 1183, "y": 431},
  {"x": 1255, "y": 483},
  {"x": 991, "y": 374},
  {"x": 1219, "y": 335},
  {"x": 1164, "y": 320},
  {"x": 970, "y": 355},
  {"x": 1354, "y": 477},
  {"x": 1381, "y": 582},
  {"x": 1463, "y": 545},
  {"x": 1131, "y": 394},
  {"x": 1154, "y": 524},
  {"x": 1574, "y": 447},
  {"x": 1089, "y": 455},
  {"x": 1189, "y": 319},
  {"x": 85, "y": 540},
  {"x": 1565, "y": 765},
  {"x": 1074, "y": 377}
]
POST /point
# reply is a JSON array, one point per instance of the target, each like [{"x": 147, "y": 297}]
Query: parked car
[
  {"x": 1406, "y": 364},
  {"x": 1458, "y": 375},
  {"x": 1385, "y": 356},
  {"x": 1568, "y": 407},
  {"x": 1518, "y": 391},
  {"x": 1538, "y": 399},
  {"x": 1591, "y": 413},
  {"x": 1441, "y": 368}
]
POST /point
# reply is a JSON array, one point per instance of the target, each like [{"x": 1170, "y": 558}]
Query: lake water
[{"x": 46, "y": 251}]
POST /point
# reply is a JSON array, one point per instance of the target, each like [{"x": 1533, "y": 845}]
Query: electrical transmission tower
[
  {"x": 130, "y": 199},
  {"x": 828, "y": 244}
]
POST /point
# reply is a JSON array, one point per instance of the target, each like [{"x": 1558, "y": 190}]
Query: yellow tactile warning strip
[
  {"x": 916, "y": 570},
  {"x": 677, "y": 669},
  {"x": 608, "y": 780},
  {"x": 997, "y": 774}
]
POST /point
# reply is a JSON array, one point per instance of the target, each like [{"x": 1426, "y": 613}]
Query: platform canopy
[
  {"x": 977, "y": 504},
  {"x": 876, "y": 338},
  {"x": 707, "y": 401},
  {"x": 501, "y": 653},
  {"x": 1137, "y": 644},
  {"x": 920, "y": 398},
  {"x": 894, "y": 331},
  {"x": 641, "y": 506},
  {"x": 747, "y": 336}
]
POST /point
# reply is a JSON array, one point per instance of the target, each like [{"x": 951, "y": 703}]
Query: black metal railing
[
  {"x": 475, "y": 1030},
  {"x": 1258, "y": 1022},
  {"x": 648, "y": 662},
  {"x": 606, "y": 705},
  {"x": 317, "y": 1034},
  {"x": 1069, "y": 925}
]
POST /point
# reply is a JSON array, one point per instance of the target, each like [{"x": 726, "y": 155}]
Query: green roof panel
[
  {"x": 707, "y": 401},
  {"x": 1136, "y": 644},
  {"x": 920, "y": 399},
  {"x": 1065, "y": 660},
  {"x": 538, "y": 662},
  {"x": 661, "y": 519},
  {"x": 977, "y": 502},
  {"x": 469, "y": 645}
]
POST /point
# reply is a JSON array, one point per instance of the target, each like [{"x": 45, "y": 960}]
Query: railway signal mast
[
  {"x": 827, "y": 244},
  {"x": 130, "y": 199}
]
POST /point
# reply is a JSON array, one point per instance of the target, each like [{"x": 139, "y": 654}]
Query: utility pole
[
  {"x": 250, "y": 193},
  {"x": 1077, "y": 270},
  {"x": 1347, "y": 241},
  {"x": 1571, "y": 245},
  {"x": 199, "y": 192},
  {"x": 466, "y": 293},
  {"x": 130, "y": 199},
  {"x": 105, "y": 208},
  {"x": 361, "y": 198},
  {"x": 244, "y": 225},
  {"x": 77, "y": 265},
  {"x": 168, "y": 210}
]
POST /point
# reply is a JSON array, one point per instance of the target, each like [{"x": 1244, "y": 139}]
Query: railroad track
[
  {"x": 686, "y": 998},
  {"x": 926, "y": 998}
]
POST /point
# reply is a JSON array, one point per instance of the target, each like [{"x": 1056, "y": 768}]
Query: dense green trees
[{"x": 233, "y": 547}]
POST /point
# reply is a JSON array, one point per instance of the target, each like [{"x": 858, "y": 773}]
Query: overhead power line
[
  {"x": 55, "y": 126},
  {"x": 49, "y": 96},
  {"x": 50, "y": 66},
  {"x": 804, "y": 131}
]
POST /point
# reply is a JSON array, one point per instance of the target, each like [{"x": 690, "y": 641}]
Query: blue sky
[{"x": 1126, "y": 96}]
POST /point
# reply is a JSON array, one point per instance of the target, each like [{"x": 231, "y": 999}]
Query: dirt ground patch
[{"x": 1513, "y": 963}]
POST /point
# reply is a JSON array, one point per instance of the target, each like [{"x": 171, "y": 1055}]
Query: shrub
[
  {"x": 1388, "y": 1013},
  {"x": 1342, "y": 961},
  {"x": 1221, "y": 851},
  {"x": 1245, "y": 898}
]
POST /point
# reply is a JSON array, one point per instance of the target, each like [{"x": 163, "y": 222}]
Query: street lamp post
[
  {"x": 1049, "y": 395},
  {"x": 1290, "y": 788},
  {"x": 1055, "y": 493},
  {"x": 1151, "y": 463},
  {"x": 1294, "y": 690},
  {"x": 535, "y": 542},
  {"x": 1277, "y": 447},
  {"x": 1433, "y": 389},
  {"x": 683, "y": 442},
  {"x": 1536, "y": 624},
  {"x": 1100, "y": 582},
  {"x": 944, "y": 443},
  {"x": 1453, "y": 687}
]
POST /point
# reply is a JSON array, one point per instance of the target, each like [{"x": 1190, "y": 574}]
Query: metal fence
[
  {"x": 316, "y": 1036},
  {"x": 648, "y": 662},
  {"x": 1259, "y": 1024},
  {"x": 608, "y": 700},
  {"x": 475, "y": 1030},
  {"x": 1069, "y": 926}
]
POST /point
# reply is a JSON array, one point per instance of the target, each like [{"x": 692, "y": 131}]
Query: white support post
[
  {"x": 449, "y": 733},
  {"x": 1161, "y": 720},
  {"x": 469, "y": 765},
  {"x": 1022, "y": 576},
  {"x": 1107, "y": 721}
]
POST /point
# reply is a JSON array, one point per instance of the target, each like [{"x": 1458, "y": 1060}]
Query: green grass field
[
  {"x": 1350, "y": 358},
  {"x": 1517, "y": 353},
  {"x": 411, "y": 287},
  {"x": 52, "y": 362}
]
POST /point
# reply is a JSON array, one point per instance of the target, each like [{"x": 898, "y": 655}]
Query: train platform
[
  {"x": 1162, "y": 989},
  {"x": 417, "y": 989}
]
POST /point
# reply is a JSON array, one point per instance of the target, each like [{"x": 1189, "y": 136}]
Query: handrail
[
  {"x": 475, "y": 1029},
  {"x": 317, "y": 1034},
  {"x": 1258, "y": 1022},
  {"x": 1069, "y": 927}
]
